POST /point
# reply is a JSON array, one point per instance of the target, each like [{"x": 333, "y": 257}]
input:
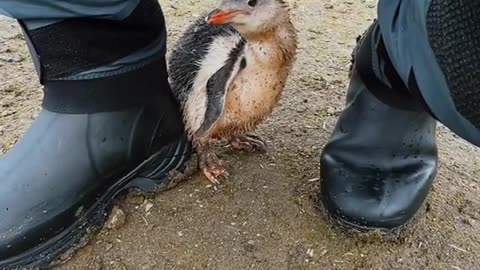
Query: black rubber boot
[
  {"x": 95, "y": 138},
  {"x": 62, "y": 176},
  {"x": 380, "y": 162}
]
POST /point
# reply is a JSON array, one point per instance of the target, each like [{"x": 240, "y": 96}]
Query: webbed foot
[
  {"x": 212, "y": 167},
  {"x": 249, "y": 143}
]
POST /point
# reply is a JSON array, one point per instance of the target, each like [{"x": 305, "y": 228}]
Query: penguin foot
[
  {"x": 249, "y": 143},
  {"x": 212, "y": 167}
]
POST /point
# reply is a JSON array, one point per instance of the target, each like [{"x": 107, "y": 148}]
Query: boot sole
[
  {"x": 389, "y": 234},
  {"x": 171, "y": 166}
]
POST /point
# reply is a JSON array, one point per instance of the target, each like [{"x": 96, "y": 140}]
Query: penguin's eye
[{"x": 252, "y": 3}]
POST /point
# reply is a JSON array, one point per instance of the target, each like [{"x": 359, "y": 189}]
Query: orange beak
[{"x": 218, "y": 17}]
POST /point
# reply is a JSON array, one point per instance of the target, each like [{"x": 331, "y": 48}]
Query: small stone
[
  {"x": 95, "y": 265},
  {"x": 108, "y": 247},
  {"x": 328, "y": 6},
  {"x": 11, "y": 57},
  {"x": 174, "y": 4},
  {"x": 275, "y": 236},
  {"x": 135, "y": 199},
  {"x": 310, "y": 252},
  {"x": 371, "y": 3},
  {"x": 331, "y": 111},
  {"x": 342, "y": 10},
  {"x": 6, "y": 113},
  {"x": 148, "y": 206},
  {"x": 117, "y": 219},
  {"x": 117, "y": 266},
  {"x": 469, "y": 221},
  {"x": 250, "y": 246}
]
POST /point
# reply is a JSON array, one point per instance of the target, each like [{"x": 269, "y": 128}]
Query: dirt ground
[{"x": 264, "y": 215}]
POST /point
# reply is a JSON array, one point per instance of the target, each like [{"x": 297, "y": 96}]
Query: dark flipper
[
  {"x": 217, "y": 87},
  {"x": 216, "y": 93}
]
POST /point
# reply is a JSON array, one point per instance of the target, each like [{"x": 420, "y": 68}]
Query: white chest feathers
[{"x": 217, "y": 56}]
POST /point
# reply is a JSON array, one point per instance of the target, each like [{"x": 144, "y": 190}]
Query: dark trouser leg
[
  {"x": 109, "y": 122},
  {"x": 379, "y": 165},
  {"x": 436, "y": 44}
]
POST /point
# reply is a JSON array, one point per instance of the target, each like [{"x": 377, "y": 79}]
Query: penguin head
[{"x": 250, "y": 16}]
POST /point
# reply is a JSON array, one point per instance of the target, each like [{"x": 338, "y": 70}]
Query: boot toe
[{"x": 369, "y": 198}]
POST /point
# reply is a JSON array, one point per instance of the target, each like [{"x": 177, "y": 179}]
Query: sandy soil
[{"x": 264, "y": 216}]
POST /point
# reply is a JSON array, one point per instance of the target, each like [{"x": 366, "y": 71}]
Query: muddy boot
[
  {"x": 379, "y": 165},
  {"x": 99, "y": 134},
  {"x": 62, "y": 176}
]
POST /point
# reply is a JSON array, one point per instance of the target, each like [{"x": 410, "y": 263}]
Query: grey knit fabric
[{"x": 454, "y": 33}]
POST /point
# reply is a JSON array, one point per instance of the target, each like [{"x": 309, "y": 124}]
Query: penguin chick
[{"x": 228, "y": 72}]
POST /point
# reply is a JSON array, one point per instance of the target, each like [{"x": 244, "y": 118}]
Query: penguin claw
[
  {"x": 212, "y": 167},
  {"x": 213, "y": 176},
  {"x": 249, "y": 143}
]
